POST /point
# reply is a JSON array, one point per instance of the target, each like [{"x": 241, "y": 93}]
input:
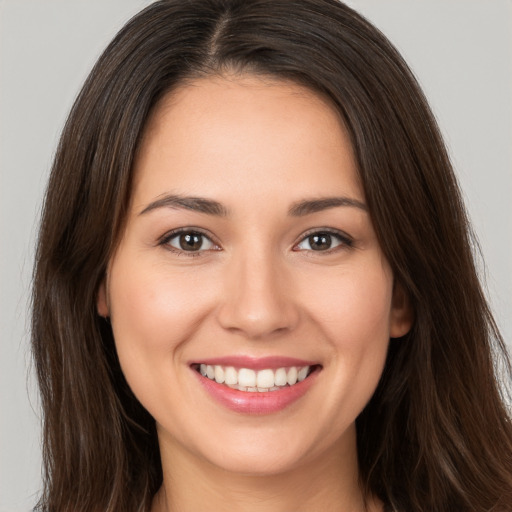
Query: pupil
[
  {"x": 190, "y": 242},
  {"x": 320, "y": 242}
]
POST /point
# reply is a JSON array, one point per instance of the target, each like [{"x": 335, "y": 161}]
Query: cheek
[
  {"x": 353, "y": 306},
  {"x": 353, "y": 313},
  {"x": 153, "y": 311},
  {"x": 151, "y": 300}
]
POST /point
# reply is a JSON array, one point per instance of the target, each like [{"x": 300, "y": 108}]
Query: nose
[{"x": 257, "y": 298}]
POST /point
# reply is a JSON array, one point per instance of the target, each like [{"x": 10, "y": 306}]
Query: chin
[
  {"x": 258, "y": 464},
  {"x": 265, "y": 452}
]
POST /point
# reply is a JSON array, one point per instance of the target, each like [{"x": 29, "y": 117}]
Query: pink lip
[
  {"x": 257, "y": 402},
  {"x": 256, "y": 363}
]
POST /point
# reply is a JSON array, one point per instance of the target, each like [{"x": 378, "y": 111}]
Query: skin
[{"x": 255, "y": 288}]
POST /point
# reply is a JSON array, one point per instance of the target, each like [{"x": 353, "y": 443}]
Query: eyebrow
[
  {"x": 211, "y": 207},
  {"x": 197, "y": 204},
  {"x": 309, "y": 206}
]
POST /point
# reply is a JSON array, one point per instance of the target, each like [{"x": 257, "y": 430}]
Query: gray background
[{"x": 461, "y": 51}]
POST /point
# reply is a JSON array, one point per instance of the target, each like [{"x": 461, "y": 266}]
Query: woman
[{"x": 254, "y": 286}]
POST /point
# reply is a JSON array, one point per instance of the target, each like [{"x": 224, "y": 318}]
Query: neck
[{"x": 328, "y": 482}]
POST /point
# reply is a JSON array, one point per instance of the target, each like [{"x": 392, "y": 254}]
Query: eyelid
[
  {"x": 169, "y": 235},
  {"x": 346, "y": 241}
]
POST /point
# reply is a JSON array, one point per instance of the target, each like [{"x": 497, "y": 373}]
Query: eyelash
[
  {"x": 166, "y": 239},
  {"x": 345, "y": 241}
]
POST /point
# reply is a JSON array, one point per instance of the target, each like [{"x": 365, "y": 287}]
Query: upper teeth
[{"x": 252, "y": 380}]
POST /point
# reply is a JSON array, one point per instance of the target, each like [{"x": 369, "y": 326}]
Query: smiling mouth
[{"x": 259, "y": 381}]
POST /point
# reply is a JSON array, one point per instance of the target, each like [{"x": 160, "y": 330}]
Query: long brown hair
[{"x": 436, "y": 436}]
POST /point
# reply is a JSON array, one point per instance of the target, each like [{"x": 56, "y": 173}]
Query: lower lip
[{"x": 256, "y": 402}]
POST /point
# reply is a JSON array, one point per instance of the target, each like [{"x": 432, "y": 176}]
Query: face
[{"x": 250, "y": 302}]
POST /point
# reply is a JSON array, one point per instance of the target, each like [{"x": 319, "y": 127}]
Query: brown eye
[
  {"x": 190, "y": 241},
  {"x": 323, "y": 241},
  {"x": 320, "y": 241}
]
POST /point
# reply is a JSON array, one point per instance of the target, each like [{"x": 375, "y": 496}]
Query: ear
[
  {"x": 102, "y": 300},
  {"x": 402, "y": 314}
]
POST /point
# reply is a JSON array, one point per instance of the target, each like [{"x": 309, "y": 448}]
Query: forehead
[{"x": 244, "y": 133}]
